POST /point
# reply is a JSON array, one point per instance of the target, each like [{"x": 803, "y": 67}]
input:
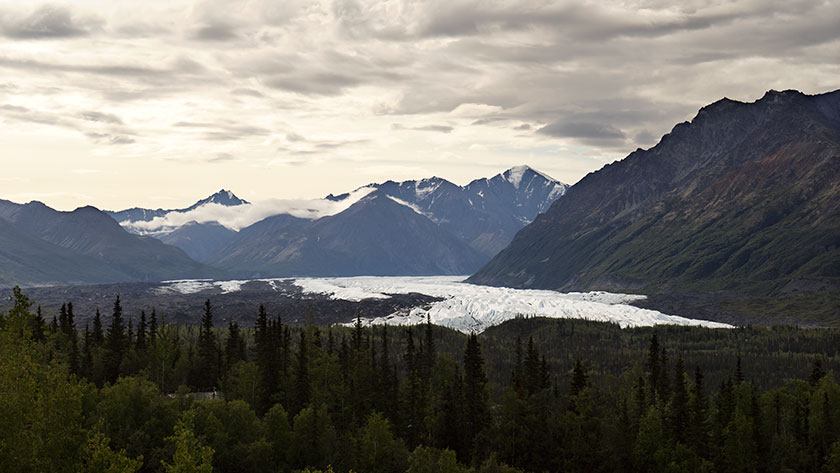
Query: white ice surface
[{"x": 468, "y": 307}]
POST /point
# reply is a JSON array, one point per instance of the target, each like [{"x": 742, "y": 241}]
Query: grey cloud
[
  {"x": 49, "y": 21},
  {"x": 318, "y": 83},
  {"x": 489, "y": 120},
  {"x": 644, "y": 138},
  {"x": 25, "y": 114},
  {"x": 216, "y": 32},
  {"x": 436, "y": 128},
  {"x": 591, "y": 133},
  {"x": 249, "y": 92},
  {"x": 523, "y": 127},
  {"x": 223, "y": 131},
  {"x": 101, "y": 117},
  {"x": 14, "y": 108},
  {"x": 221, "y": 158},
  {"x": 107, "y": 138}
]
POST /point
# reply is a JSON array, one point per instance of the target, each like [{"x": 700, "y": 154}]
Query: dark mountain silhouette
[
  {"x": 99, "y": 248},
  {"x": 745, "y": 197}
]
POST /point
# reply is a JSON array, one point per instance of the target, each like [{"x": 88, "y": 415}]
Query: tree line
[{"x": 120, "y": 396}]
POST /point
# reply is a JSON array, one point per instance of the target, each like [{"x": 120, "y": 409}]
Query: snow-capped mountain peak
[
  {"x": 516, "y": 174},
  {"x": 223, "y": 197}
]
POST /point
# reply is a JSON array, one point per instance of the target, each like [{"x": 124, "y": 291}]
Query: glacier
[
  {"x": 472, "y": 308},
  {"x": 464, "y": 307}
]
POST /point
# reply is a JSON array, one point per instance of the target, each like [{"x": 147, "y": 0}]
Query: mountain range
[
  {"x": 422, "y": 227},
  {"x": 40, "y": 245},
  {"x": 430, "y": 226},
  {"x": 744, "y": 197}
]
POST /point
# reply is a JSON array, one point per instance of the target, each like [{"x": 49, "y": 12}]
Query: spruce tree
[
  {"x": 580, "y": 380},
  {"x": 114, "y": 344},
  {"x": 129, "y": 335},
  {"x": 141, "y": 332},
  {"x": 302, "y": 387},
  {"x": 63, "y": 323},
  {"x": 234, "y": 346},
  {"x": 533, "y": 375},
  {"x": 153, "y": 327},
  {"x": 739, "y": 373},
  {"x": 679, "y": 416},
  {"x": 208, "y": 353},
  {"x": 429, "y": 351},
  {"x": 37, "y": 326},
  {"x": 699, "y": 424},
  {"x": 517, "y": 377},
  {"x": 476, "y": 408},
  {"x": 653, "y": 365},
  {"x": 97, "y": 336},
  {"x": 817, "y": 373},
  {"x": 86, "y": 368}
]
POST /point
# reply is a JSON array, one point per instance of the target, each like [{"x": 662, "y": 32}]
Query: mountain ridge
[{"x": 713, "y": 206}]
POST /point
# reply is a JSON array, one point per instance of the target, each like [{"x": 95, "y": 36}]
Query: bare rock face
[{"x": 744, "y": 197}]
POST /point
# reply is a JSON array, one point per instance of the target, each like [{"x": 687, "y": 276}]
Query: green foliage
[
  {"x": 379, "y": 450},
  {"x": 579, "y": 396},
  {"x": 98, "y": 458},
  {"x": 190, "y": 455}
]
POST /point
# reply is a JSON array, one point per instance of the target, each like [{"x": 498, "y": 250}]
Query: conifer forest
[{"x": 136, "y": 394}]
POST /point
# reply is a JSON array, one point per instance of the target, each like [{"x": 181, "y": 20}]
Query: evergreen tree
[
  {"x": 580, "y": 380},
  {"x": 654, "y": 367},
  {"x": 679, "y": 417},
  {"x": 534, "y": 376},
  {"x": 429, "y": 350},
  {"x": 97, "y": 337},
  {"x": 476, "y": 409},
  {"x": 413, "y": 393},
  {"x": 330, "y": 342},
  {"x": 63, "y": 321},
  {"x": 302, "y": 387},
  {"x": 38, "y": 325},
  {"x": 141, "y": 332},
  {"x": 699, "y": 424},
  {"x": 517, "y": 381},
  {"x": 86, "y": 366},
  {"x": 73, "y": 340},
  {"x": 664, "y": 383},
  {"x": 817, "y": 373},
  {"x": 739, "y": 373},
  {"x": 129, "y": 335},
  {"x": 114, "y": 344},
  {"x": 153, "y": 327},
  {"x": 356, "y": 341},
  {"x": 208, "y": 353},
  {"x": 234, "y": 346}
]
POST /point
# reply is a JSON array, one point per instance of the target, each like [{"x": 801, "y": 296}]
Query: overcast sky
[{"x": 116, "y": 105}]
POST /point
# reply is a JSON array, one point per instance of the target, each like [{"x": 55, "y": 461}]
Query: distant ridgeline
[
  {"x": 425, "y": 227},
  {"x": 745, "y": 197},
  {"x": 535, "y": 394}
]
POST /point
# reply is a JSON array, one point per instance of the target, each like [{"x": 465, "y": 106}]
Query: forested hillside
[{"x": 534, "y": 394}]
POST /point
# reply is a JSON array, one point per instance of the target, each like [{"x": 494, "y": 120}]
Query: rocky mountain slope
[
  {"x": 42, "y": 245},
  {"x": 745, "y": 197},
  {"x": 428, "y": 226}
]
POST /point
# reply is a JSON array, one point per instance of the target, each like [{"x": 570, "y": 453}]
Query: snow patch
[
  {"x": 472, "y": 308},
  {"x": 192, "y": 286},
  {"x": 186, "y": 286},
  {"x": 425, "y": 187},
  {"x": 409, "y": 205}
]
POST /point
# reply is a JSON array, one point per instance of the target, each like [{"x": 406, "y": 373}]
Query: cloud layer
[
  {"x": 241, "y": 216},
  {"x": 281, "y": 99}
]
